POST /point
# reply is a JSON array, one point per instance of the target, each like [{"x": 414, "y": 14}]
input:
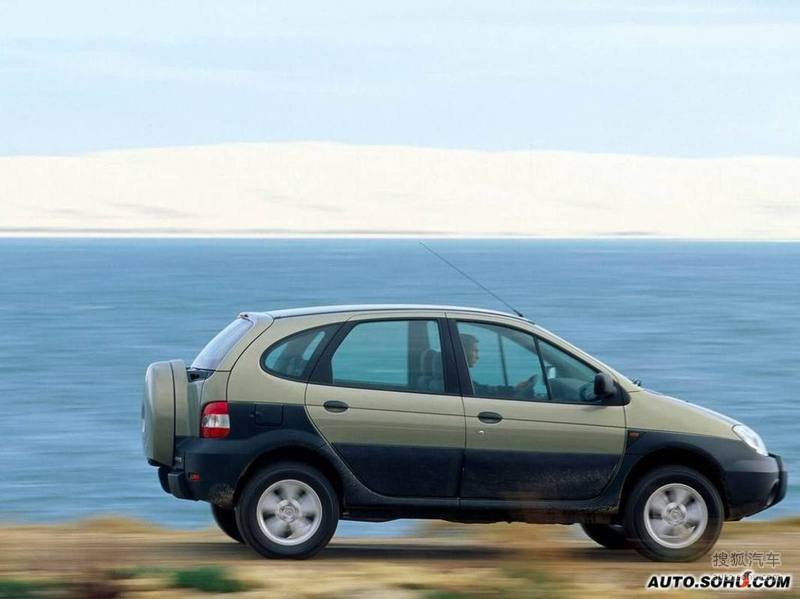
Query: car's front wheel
[
  {"x": 288, "y": 510},
  {"x": 226, "y": 520},
  {"x": 674, "y": 514}
]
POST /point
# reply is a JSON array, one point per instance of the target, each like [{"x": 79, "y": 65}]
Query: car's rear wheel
[
  {"x": 226, "y": 520},
  {"x": 610, "y": 536},
  {"x": 288, "y": 510},
  {"x": 674, "y": 514}
]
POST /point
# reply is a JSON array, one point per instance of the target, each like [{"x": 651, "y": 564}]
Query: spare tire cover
[{"x": 158, "y": 409}]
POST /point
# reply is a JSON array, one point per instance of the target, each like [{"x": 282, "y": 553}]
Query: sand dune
[{"x": 335, "y": 189}]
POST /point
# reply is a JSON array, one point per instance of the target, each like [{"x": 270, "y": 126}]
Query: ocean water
[{"x": 713, "y": 323}]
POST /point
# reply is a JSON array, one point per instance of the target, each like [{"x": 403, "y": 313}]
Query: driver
[{"x": 472, "y": 354}]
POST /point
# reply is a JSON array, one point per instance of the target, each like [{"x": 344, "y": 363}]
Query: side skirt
[
  {"x": 363, "y": 504},
  {"x": 482, "y": 516}
]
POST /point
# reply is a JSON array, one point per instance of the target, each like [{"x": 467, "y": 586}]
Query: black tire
[
  {"x": 645, "y": 541},
  {"x": 610, "y": 536},
  {"x": 226, "y": 520},
  {"x": 321, "y": 495}
]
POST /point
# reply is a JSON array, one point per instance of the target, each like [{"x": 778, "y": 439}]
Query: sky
[{"x": 689, "y": 78}]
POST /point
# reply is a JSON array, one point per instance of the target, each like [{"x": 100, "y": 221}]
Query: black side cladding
[
  {"x": 384, "y": 482},
  {"x": 495, "y": 474},
  {"x": 404, "y": 471}
]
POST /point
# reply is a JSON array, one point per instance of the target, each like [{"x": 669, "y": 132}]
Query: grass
[
  {"x": 11, "y": 588},
  {"x": 208, "y": 579},
  {"x": 536, "y": 583},
  {"x": 518, "y": 581}
]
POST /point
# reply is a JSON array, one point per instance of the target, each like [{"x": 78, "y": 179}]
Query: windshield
[
  {"x": 580, "y": 352},
  {"x": 219, "y": 346}
]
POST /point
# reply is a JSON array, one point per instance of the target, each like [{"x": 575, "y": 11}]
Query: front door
[
  {"x": 385, "y": 396},
  {"x": 534, "y": 428}
]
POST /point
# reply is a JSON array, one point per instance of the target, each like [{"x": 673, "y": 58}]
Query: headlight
[{"x": 749, "y": 436}]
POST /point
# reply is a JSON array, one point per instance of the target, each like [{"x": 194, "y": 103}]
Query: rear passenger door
[{"x": 385, "y": 395}]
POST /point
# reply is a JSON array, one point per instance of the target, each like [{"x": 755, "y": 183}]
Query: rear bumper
[
  {"x": 211, "y": 469},
  {"x": 177, "y": 482},
  {"x": 754, "y": 484},
  {"x": 205, "y": 470}
]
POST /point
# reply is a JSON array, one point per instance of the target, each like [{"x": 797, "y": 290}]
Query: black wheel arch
[
  {"x": 676, "y": 455},
  {"x": 296, "y": 451}
]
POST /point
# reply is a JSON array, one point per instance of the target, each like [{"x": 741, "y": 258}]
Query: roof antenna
[{"x": 469, "y": 278}]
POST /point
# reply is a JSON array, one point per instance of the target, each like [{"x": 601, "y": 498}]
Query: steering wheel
[
  {"x": 586, "y": 392},
  {"x": 527, "y": 389}
]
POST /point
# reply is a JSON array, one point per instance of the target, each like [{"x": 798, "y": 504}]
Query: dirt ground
[{"x": 123, "y": 558}]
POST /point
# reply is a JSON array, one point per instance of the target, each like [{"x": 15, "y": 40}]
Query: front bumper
[{"x": 754, "y": 484}]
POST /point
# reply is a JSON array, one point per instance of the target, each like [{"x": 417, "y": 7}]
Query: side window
[
  {"x": 503, "y": 362},
  {"x": 571, "y": 381},
  {"x": 401, "y": 355},
  {"x": 293, "y": 357}
]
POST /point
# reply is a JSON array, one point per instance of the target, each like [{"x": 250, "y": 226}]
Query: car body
[{"x": 381, "y": 412}]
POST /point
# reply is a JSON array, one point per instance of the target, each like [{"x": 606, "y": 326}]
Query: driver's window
[
  {"x": 571, "y": 381},
  {"x": 502, "y": 362}
]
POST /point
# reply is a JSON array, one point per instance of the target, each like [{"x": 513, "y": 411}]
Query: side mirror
[{"x": 604, "y": 386}]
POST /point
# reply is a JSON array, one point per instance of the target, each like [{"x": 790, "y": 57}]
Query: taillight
[{"x": 215, "y": 422}]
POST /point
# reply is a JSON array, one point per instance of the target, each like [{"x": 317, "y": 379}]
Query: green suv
[{"x": 290, "y": 420}]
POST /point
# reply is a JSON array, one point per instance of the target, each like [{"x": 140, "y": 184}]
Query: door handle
[
  {"x": 335, "y": 406},
  {"x": 490, "y": 417}
]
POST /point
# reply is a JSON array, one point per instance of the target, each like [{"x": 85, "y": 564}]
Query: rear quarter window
[
  {"x": 212, "y": 354},
  {"x": 294, "y": 356}
]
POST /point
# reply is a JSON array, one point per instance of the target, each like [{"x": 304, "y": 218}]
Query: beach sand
[{"x": 328, "y": 189}]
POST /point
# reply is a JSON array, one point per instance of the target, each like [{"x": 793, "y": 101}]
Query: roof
[{"x": 290, "y": 312}]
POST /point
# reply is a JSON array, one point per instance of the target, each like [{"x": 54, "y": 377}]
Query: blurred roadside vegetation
[{"x": 116, "y": 558}]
